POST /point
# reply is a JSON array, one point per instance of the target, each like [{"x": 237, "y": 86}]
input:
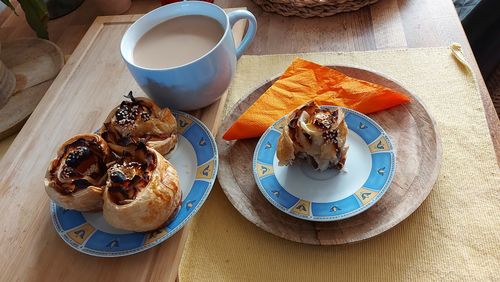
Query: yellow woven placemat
[{"x": 454, "y": 235}]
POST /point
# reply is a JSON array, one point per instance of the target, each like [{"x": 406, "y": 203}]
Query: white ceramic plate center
[
  {"x": 302, "y": 181},
  {"x": 183, "y": 158}
]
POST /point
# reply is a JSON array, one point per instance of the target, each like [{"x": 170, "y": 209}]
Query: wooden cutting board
[
  {"x": 88, "y": 87},
  {"x": 418, "y": 160}
]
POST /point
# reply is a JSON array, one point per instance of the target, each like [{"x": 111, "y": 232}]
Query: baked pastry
[
  {"x": 76, "y": 178},
  {"x": 142, "y": 191},
  {"x": 140, "y": 120},
  {"x": 315, "y": 134}
]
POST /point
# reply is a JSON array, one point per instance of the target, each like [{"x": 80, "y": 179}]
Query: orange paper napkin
[{"x": 304, "y": 81}]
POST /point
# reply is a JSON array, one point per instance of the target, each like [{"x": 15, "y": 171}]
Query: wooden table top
[{"x": 387, "y": 24}]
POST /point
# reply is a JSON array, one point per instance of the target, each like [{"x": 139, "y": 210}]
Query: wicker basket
[{"x": 311, "y": 8}]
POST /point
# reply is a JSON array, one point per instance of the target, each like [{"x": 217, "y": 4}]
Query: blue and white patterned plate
[
  {"x": 196, "y": 160},
  {"x": 302, "y": 192}
]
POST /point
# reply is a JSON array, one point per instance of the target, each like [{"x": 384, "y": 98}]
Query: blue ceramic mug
[{"x": 198, "y": 83}]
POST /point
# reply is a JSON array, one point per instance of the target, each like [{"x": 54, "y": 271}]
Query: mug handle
[{"x": 237, "y": 15}]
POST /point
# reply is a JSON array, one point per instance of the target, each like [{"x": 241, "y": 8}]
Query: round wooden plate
[
  {"x": 418, "y": 160},
  {"x": 35, "y": 63}
]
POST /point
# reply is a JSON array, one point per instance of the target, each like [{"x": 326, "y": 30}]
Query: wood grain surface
[
  {"x": 418, "y": 160},
  {"x": 386, "y": 24},
  {"x": 92, "y": 83}
]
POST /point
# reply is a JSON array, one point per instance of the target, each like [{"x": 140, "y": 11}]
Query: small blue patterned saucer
[
  {"x": 196, "y": 160},
  {"x": 302, "y": 192}
]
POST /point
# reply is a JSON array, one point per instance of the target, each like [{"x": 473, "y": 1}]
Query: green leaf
[
  {"x": 37, "y": 16},
  {"x": 9, "y": 4}
]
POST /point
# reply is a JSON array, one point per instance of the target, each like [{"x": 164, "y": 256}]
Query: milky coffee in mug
[
  {"x": 183, "y": 55},
  {"x": 177, "y": 41}
]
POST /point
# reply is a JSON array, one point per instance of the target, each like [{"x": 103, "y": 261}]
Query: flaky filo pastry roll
[
  {"x": 140, "y": 120},
  {"x": 75, "y": 179},
  {"x": 315, "y": 134},
  {"x": 142, "y": 191}
]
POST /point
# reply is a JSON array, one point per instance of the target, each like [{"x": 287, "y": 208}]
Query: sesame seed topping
[
  {"x": 330, "y": 136},
  {"x": 128, "y": 112},
  {"x": 323, "y": 120}
]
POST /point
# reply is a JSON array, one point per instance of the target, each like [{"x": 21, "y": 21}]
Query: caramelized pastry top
[
  {"x": 130, "y": 174},
  {"x": 319, "y": 127},
  {"x": 83, "y": 164},
  {"x": 317, "y": 134},
  {"x": 138, "y": 120},
  {"x": 129, "y": 113}
]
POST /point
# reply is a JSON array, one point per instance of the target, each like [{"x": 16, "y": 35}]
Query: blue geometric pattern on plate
[
  {"x": 267, "y": 154},
  {"x": 382, "y": 153},
  {"x": 379, "y": 175},
  {"x": 70, "y": 218},
  {"x": 200, "y": 143},
  {"x": 114, "y": 243},
  {"x": 362, "y": 126},
  {"x": 277, "y": 193},
  {"x": 197, "y": 192},
  {"x": 82, "y": 236},
  {"x": 336, "y": 208}
]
